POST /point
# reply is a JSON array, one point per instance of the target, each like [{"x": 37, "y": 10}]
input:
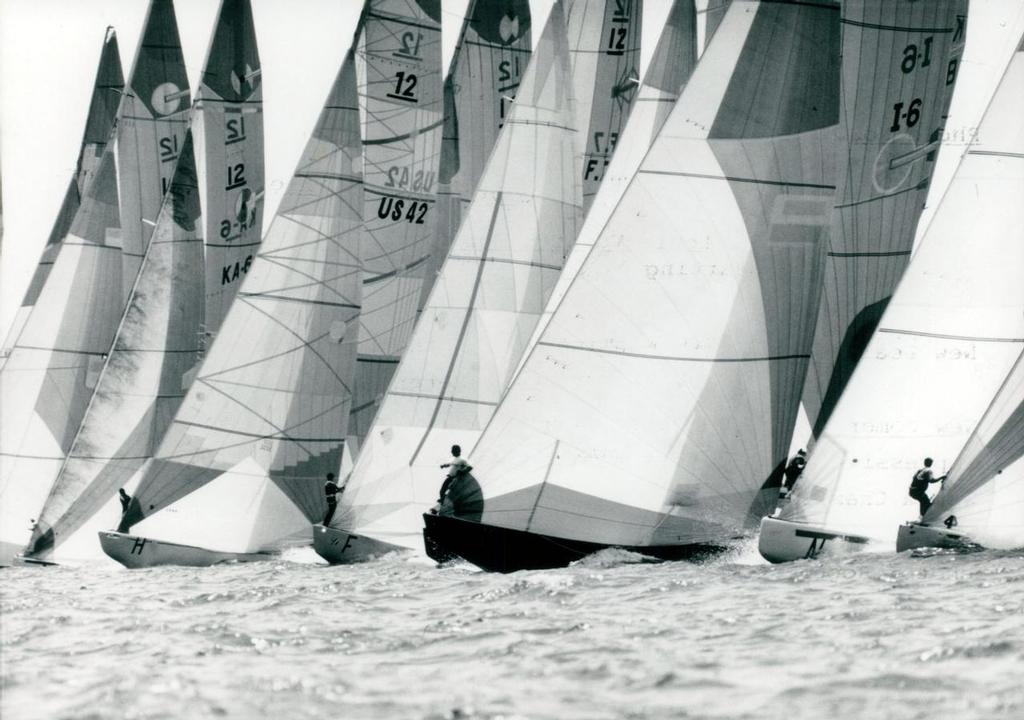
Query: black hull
[{"x": 498, "y": 549}]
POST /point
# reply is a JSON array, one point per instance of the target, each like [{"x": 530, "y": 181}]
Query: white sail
[
  {"x": 492, "y": 288},
  {"x": 106, "y": 98},
  {"x": 947, "y": 340},
  {"x": 150, "y": 131},
  {"x": 145, "y": 376},
  {"x": 483, "y": 78},
  {"x": 272, "y": 397},
  {"x": 398, "y": 64},
  {"x": 604, "y": 38},
  {"x": 896, "y": 124},
  {"x": 985, "y": 488},
  {"x": 230, "y": 105},
  {"x": 661, "y": 394},
  {"x": 50, "y": 375}
]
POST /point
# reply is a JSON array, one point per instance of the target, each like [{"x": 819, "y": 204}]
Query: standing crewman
[
  {"x": 795, "y": 469},
  {"x": 919, "y": 485},
  {"x": 331, "y": 490},
  {"x": 456, "y": 467}
]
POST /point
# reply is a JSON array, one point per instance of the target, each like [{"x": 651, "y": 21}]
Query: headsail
[
  {"x": 947, "y": 339},
  {"x": 492, "y": 288},
  {"x": 273, "y": 394},
  {"x": 662, "y": 392},
  {"x": 52, "y": 370},
  {"x": 106, "y": 97},
  {"x": 483, "y": 78},
  {"x": 150, "y": 132},
  {"x": 230, "y": 104},
  {"x": 895, "y": 119},
  {"x": 144, "y": 378},
  {"x": 398, "y": 64}
]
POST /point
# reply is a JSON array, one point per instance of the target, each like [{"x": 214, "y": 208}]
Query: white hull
[
  {"x": 784, "y": 541},
  {"x": 339, "y": 547},
  {"x": 914, "y": 535},
  {"x": 139, "y": 552}
]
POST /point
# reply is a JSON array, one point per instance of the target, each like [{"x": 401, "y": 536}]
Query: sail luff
[
  {"x": 103, "y": 108},
  {"x": 280, "y": 410},
  {"x": 150, "y": 131},
  {"x": 145, "y": 374}
]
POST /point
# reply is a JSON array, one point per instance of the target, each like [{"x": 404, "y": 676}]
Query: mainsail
[
  {"x": 398, "y": 64},
  {"x": 947, "y": 340},
  {"x": 484, "y": 76},
  {"x": 144, "y": 378},
  {"x": 661, "y": 395},
  {"x": 150, "y": 132},
  {"x": 230, "y": 105},
  {"x": 51, "y": 372},
  {"x": 272, "y": 396},
  {"x": 894, "y": 117},
  {"x": 492, "y": 288},
  {"x": 106, "y": 97}
]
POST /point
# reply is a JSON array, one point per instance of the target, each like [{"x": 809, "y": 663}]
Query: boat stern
[
  {"x": 784, "y": 540},
  {"x": 139, "y": 552},
  {"x": 340, "y": 547},
  {"x": 913, "y": 535}
]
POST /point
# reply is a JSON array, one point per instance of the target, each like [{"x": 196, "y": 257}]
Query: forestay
[
  {"x": 492, "y": 288},
  {"x": 483, "y": 78},
  {"x": 230, "y": 105},
  {"x": 398, "y": 65},
  {"x": 661, "y": 396},
  {"x": 900, "y": 64},
  {"x": 273, "y": 394},
  {"x": 106, "y": 97},
  {"x": 144, "y": 378},
  {"x": 150, "y": 132},
  {"x": 947, "y": 340}
]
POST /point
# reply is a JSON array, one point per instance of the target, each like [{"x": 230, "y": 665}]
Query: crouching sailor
[
  {"x": 457, "y": 467},
  {"x": 919, "y": 485}
]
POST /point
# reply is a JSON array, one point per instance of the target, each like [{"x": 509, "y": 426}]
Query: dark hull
[{"x": 498, "y": 549}]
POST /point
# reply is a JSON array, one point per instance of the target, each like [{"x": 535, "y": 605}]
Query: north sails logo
[{"x": 508, "y": 28}]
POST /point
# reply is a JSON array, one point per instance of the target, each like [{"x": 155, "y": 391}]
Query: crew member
[
  {"x": 331, "y": 491},
  {"x": 795, "y": 469},
  {"x": 919, "y": 485},
  {"x": 125, "y": 499},
  {"x": 456, "y": 467}
]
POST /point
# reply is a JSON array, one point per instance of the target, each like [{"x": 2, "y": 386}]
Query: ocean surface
[{"x": 864, "y": 636}]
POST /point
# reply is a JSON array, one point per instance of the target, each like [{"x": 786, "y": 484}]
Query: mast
[
  {"x": 103, "y": 107},
  {"x": 150, "y": 132}
]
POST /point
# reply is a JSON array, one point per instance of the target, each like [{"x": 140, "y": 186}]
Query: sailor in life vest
[
  {"x": 456, "y": 468},
  {"x": 919, "y": 485}
]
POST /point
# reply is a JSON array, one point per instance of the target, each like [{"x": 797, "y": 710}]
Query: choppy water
[{"x": 869, "y": 636}]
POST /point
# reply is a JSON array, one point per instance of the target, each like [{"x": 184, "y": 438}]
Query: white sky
[{"x": 49, "y": 50}]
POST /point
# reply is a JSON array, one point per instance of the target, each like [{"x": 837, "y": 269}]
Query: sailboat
[
  {"x": 270, "y": 422},
  {"x": 655, "y": 408},
  {"x": 981, "y": 501},
  {"x": 106, "y": 98},
  {"x": 160, "y": 340},
  {"x": 491, "y": 291},
  {"x": 945, "y": 343},
  {"x": 490, "y": 58},
  {"x": 150, "y": 132},
  {"x": 398, "y": 64}
]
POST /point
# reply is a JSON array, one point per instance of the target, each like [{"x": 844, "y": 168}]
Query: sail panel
[
  {"x": 280, "y": 407},
  {"x": 900, "y": 63},
  {"x": 145, "y": 374},
  {"x": 230, "y": 98},
  {"x": 481, "y": 314},
  {"x": 945, "y": 343},
  {"x": 661, "y": 335},
  {"x": 150, "y": 132}
]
